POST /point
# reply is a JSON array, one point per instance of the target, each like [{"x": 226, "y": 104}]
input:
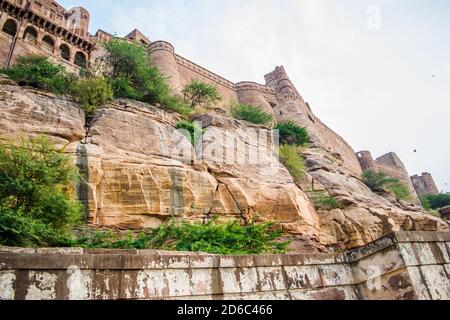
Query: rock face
[
  {"x": 138, "y": 171},
  {"x": 136, "y": 179},
  {"x": 364, "y": 216},
  {"x": 31, "y": 113}
]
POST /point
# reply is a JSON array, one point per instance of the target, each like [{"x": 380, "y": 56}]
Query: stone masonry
[
  {"x": 424, "y": 184},
  {"x": 401, "y": 266}
]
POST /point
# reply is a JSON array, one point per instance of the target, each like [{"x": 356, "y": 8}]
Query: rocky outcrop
[
  {"x": 141, "y": 171},
  {"x": 363, "y": 216},
  {"x": 138, "y": 171},
  {"x": 32, "y": 113}
]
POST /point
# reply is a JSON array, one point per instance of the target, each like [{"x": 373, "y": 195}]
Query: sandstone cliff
[{"x": 132, "y": 179}]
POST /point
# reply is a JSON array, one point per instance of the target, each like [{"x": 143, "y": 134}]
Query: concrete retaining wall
[{"x": 399, "y": 266}]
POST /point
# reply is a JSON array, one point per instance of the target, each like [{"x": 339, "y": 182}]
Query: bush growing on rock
[
  {"x": 435, "y": 201},
  {"x": 290, "y": 157},
  {"x": 197, "y": 93},
  {"x": 292, "y": 134},
  {"x": 212, "y": 237},
  {"x": 127, "y": 67},
  {"x": 251, "y": 114},
  {"x": 192, "y": 130},
  {"x": 382, "y": 182},
  {"x": 35, "y": 207},
  {"x": 322, "y": 200},
  {"x": 40, "y": 73},
  {"x": 377, "y": 181},
  {"x": 91, "y": 93}
]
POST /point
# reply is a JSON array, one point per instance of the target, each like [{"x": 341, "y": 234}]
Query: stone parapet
[{"x": 400, "y": 266}]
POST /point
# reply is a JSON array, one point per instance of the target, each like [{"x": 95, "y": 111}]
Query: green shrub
[
  {"x": 435, "y": 201},
  {"x": 400, "y": 190},
  {"x": 40, "y": 73},
  {"x": 192, "y": 130},
  {"x": 35, "y": 208},
  {"x": 127, "y": 66},
  {"x": 290, "y": 157},
  {"x": 197, "y": 93},
  {"x": 377, "y": 181},
  {"x": 322, "y": 200},
  {"x": 176, "y": 104},
  {"x": 91, "y": 93},
  {"x": 381, "y": 181},
  {"x": 251, "y": 114},
  {"x": 212, "y": 237},
  {"x": 292, "y": 134}
]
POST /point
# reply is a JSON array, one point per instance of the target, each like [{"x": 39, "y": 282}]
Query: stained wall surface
[{"x": 402, "y": 266}]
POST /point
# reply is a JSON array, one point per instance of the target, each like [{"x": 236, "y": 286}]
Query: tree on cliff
[
  {"x": 197, "y": 93},
  {"x": 35, "y": 207},
  {"x": 127, "y": 67}
]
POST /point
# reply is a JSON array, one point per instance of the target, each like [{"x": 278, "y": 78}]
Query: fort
[
  {"x": 43, "y": 27},
  {"x": 366, "y": 245}
]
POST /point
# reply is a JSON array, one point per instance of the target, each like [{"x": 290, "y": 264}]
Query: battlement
[{"x": 424, "y": 184}]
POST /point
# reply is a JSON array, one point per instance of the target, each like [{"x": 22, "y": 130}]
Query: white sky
[{"x": 365, "y": 67}]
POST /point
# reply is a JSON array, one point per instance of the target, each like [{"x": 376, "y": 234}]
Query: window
[
  {"x": 48, "y": 44},
  {"x": 80, "y": 59},
  {"x": 65, "y": 52},
  {"x": 30, "y": 35},
  {"x": 10, "y": 27}
]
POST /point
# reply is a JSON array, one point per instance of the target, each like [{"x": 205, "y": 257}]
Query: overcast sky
[{"x": 377, "y": 72}]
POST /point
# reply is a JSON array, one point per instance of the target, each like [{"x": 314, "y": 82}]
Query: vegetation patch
[
  {"x": 322, "y": 200},
  {"x": 197, "y": 93},
  {"x": 215, "y": 238},
  {"x": 291, "y": 158},
  {"x": 35, "y": 206},
  {"x": 435, "y": 201},
  {"x": 192, "y": 130},
  {"x": 251, "y": 114},
  {"x": 91, "y": 93},
  {"x": 292, "y": 134},
  {"x": 40, "y": 73},
  {"x": 379, "y": 181}
]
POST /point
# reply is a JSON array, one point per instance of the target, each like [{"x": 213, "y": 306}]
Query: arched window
[
  {"x": 80, "y": 59},
  {"x": 30, "y": 35},
  {"x": 10, "y": 27},
  {"x": 65, "y": 52},
  {"x": 48, "y": 44}
]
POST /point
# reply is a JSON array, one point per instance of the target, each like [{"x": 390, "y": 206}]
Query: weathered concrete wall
[{"x": 399, "y": 266}]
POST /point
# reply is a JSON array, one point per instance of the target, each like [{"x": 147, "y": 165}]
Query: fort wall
[
  {"x": 424, "y": 184},
  {"x": 402, "y": 266}
]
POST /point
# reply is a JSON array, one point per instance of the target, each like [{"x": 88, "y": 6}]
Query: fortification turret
[
  {"x": 78, "y": 19},
  {"x": 162, "y": 56},
  {"x": 279, "y": 80},
  {"x": 424, "y": 184},
  {"x": 254, "y": 94},
  {"x": 366, "y": 160}
]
